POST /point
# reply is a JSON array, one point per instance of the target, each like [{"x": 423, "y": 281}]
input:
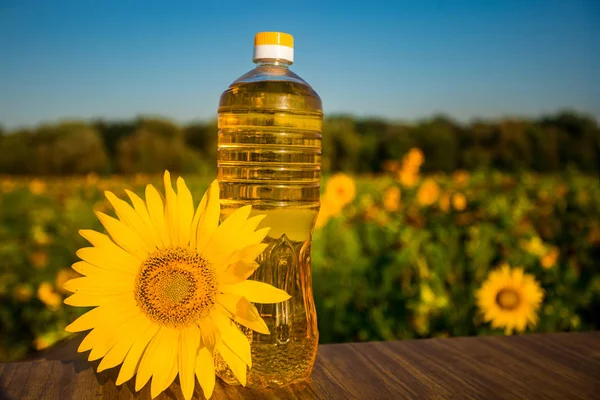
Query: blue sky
[{"x": 397, "y": 59}]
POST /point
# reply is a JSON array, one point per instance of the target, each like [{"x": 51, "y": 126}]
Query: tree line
[{"x": 356, "y": 145}]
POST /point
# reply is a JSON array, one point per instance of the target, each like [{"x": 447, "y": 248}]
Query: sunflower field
[{"x": 395, "y": 256}]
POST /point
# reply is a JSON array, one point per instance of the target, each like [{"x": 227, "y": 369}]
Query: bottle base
[
  {"x": 293, "y": 364},
  {"x": 256, "y": 381}
]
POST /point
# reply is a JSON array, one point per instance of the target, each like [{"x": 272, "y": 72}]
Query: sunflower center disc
[
  {"x": 175, "y": 287},
  {"x": 508, "y": 299}
]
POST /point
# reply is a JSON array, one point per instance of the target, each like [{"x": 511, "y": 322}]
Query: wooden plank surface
[{"x": 551, "y": 366}]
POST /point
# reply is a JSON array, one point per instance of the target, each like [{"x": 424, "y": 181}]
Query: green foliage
[
  {"x": 341, "y": 144},
  {"x": 156, "y": 145},
  {"x": 438, "y": 139},
  {"x": 149, "y": 145},
  {"x": 413, "y": 273},
  {"x": 65, "y": 148},
  {"x": 379, "y": 272},
  {"x": 113, "y": 133}
]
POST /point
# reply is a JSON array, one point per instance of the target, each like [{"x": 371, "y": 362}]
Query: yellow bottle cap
[
  {"x": 274, "y": 46},
  {"x": 276, "y": 38}
]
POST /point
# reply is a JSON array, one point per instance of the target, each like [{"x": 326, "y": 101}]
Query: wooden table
[{"x": 550, "y": 366}]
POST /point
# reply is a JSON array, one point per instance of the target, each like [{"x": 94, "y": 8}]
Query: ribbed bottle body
[{"x": 269, "y": 156}]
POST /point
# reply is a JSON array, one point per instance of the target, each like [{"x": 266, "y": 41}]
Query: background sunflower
[{"x": 510, "y": 299}]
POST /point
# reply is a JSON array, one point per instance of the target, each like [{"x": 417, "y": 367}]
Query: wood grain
[{"x": 551, "y": 366}]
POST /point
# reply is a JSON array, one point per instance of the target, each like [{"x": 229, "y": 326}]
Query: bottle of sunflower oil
[{"x": 269, "y": 156}]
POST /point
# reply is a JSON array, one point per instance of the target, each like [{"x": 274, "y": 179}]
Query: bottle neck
[{"x": 272, "y": 62}]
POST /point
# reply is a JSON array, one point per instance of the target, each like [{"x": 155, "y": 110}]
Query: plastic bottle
[{"x": 269, "y": 156}]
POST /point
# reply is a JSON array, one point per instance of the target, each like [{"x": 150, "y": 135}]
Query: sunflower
[
  {"x": 168, "y": 284},
  {"x": 407, "y": 177},
  {"x": 341, "y": 189},
  {"x": 444, "y": 202},
  {"x": 550, "y": 258},
  {"x": 392, "y": 198},
  {"x": 413, "y": 159},
  {"x": 461, "y": 177},
  {"x": 48, "y": 296},
  {"x": 510, "y": 299},
  {"x": 37, "y": 187},
  {"x": 459, "y": 201},
  {"x": 23, "y": 293},
  {"x": 428, "y": 193}
]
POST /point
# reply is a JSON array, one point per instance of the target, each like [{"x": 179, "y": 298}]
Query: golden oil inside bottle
[{"x": 269, "y": 156}]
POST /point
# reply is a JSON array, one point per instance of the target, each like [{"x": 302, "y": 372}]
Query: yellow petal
[
  {"x": 131, "y": 218},
  {"x": 237, "y": 366},
  {"x": 252, "y": 239},
  {"x": 165, "y": 362},
  {"x": 243, "y": 312},
  {"x": 171, "y": 212},
  {"x": 106, "y": 326},
  {"x": 96, "y": 239},
  {"x": 248, "y": 253},
  {"x": 234, "y": 339},
  {"x": 89, "y": 270},
  {"x": 117, "y": 353},
  {"x": 185, "y": 207},
  {"x": 140, "y": 207},
  {"x": 237, "y": 272},
  {"x": 224, "y": 240},
  {"x": 209, "y": 333},
  {"x": 107, "y": 342},
  {"x": 257, "y": 292},
  {"x": 148, "y": 362},
  {"x": 107, "y": 259},
  {"x": 240, "y": 265},
  {"x": 256, "y": 237},
  {"x": 252, "y": 223},
  {"x": 199, "y": 212},
  {"x": 245, "y": 234},
  {"x": 205, "y": 371},
  {"x": 95, "y": 299},
  {"x": 81, "y": 267},
  {"x": 99, "y": 315},
  {"x": 173, "y": 372},
  {"x": 157, "y": 214},
  {"x": 106, "y": 254},
  {"x": 209, "y": 217},
  {"x": 97, "y": 284},
  {"x": 189, "y": 341},
  {"x": 87, "y": 321},
  {"x": 124, "y": 236},
  {"x": 132, "y": 360}
]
